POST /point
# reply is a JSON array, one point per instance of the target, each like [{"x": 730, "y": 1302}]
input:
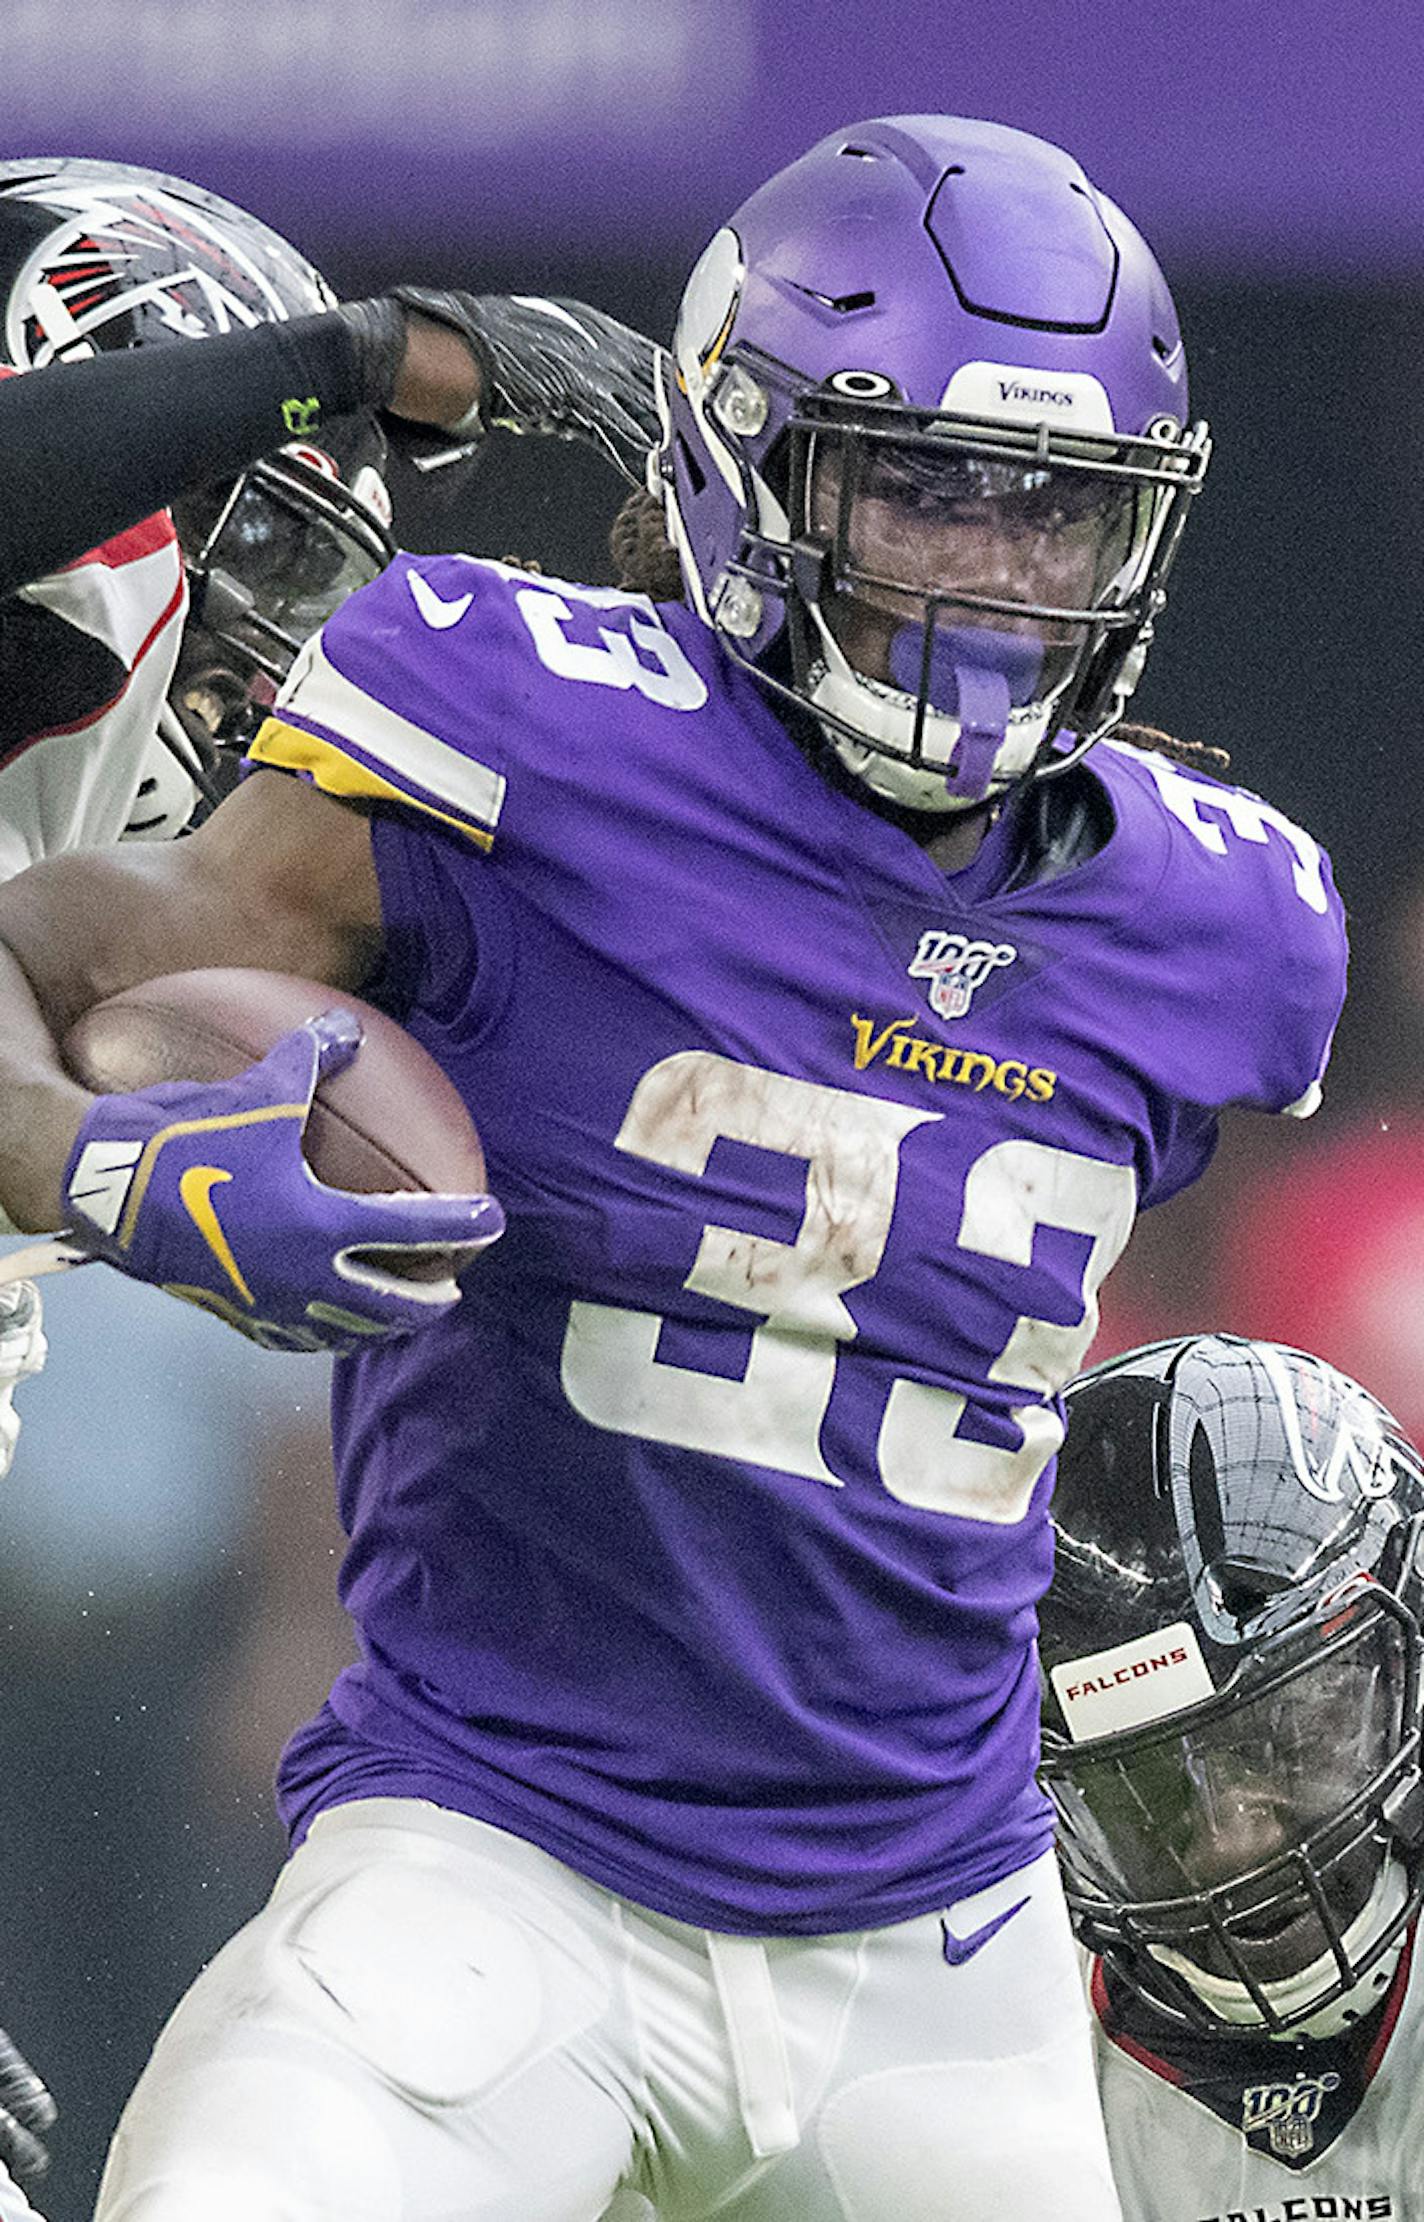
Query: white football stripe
[{"x": 317, "y": 690}]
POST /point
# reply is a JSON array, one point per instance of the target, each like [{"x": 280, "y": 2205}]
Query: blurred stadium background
[{"x": 167, "y": 1548}]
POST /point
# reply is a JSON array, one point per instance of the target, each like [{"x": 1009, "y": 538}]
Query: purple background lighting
[{"x": 1274, "y": 136}]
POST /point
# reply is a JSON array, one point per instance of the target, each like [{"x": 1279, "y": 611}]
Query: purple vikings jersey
[{"x": 701, "y": 1545}]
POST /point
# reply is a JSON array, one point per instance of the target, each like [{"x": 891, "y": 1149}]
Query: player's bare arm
[
  {"x": 290, "y": 1261},
  {"x": 279, "y": 877}
]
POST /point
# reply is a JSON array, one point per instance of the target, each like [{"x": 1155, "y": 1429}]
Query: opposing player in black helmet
[
  {"x": 269, "y": 449},
  {"x": 1231, "y": 1651}
]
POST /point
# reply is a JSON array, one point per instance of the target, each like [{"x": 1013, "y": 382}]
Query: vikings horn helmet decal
[{"x": 926, "y": 456}]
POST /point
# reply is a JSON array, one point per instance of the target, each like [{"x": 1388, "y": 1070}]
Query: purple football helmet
[{"x": 926, "y": 457}]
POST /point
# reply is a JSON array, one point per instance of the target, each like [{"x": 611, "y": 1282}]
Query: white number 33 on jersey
[{"x": 771, "y": 1415}]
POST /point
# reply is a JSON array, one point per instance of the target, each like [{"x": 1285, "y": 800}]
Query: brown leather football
[{"x": 391, "y": 1120}]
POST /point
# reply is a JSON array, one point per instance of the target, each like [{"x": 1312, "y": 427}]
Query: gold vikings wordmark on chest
[{"x": 894, "y": 1042}]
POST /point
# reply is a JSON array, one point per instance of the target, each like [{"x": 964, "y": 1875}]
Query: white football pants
[{"x": 433, "y": 2021}]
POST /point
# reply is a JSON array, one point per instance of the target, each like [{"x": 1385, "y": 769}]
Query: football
[{"x": 390, "y": 1121}]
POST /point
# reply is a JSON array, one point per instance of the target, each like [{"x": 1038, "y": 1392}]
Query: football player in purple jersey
[
  {"x": 1232, "y": 1653},
  {"x": 830, "y": 990}
]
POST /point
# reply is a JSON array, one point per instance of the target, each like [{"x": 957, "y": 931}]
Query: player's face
[
  {"x": 1219, "y": 1806},
  {"x": 271, "y": 556},
  {"x": 1244, "y": 1827},
  {"x": 906, "y": 523}
]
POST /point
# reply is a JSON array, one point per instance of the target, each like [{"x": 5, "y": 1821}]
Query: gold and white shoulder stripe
[{"x": 349, "y": 744}]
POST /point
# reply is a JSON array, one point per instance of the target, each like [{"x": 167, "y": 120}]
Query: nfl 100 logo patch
[
  {"x": 955, "y": 966},
  {"x": 1286, "y": 2112}
]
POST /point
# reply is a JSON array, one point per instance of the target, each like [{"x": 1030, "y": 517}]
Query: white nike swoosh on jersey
[{"x": 433, "y": 607}]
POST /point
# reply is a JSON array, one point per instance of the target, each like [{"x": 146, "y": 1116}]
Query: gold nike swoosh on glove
[
  {"x": 221, "y": 1122},
  {"x": 195, "y": 1193}
]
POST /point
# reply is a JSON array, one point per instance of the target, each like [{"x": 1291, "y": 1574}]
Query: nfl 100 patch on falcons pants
[{"x": 432, "y": 2021}]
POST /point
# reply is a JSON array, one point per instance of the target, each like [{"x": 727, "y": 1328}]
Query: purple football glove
[{"x": 202, "y": 1189}]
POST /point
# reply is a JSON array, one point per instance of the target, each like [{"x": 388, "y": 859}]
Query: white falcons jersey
[
  {"x": 1348, "y": 2133},
  {"x": 72, "y": 780}
]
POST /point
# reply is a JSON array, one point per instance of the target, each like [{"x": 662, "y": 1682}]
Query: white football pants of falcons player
[{"x": 433, "y": 2021}]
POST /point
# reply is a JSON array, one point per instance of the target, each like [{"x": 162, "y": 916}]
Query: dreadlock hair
[
  {"x": 647, "y": 564},
  {"x": 644, "y": 558},
  {"x": 1197, "y": 756}
]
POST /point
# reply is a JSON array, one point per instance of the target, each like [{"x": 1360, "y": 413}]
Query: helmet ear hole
[
  {"x": 1206, "y": 1496},
  {"x": 687, "y": 457},
  {"x": 1244, "y": 1591}
]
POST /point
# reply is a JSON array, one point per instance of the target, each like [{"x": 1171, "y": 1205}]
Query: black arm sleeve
[{"x": 89, "y": 448}]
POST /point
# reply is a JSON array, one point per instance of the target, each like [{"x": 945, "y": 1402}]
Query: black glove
[
  {"x": 26, "y": 2112},
  {"x": 555, "y": 367}
]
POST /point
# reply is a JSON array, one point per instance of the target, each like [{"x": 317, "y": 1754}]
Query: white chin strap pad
[{"x": 1289, "y": 1995}]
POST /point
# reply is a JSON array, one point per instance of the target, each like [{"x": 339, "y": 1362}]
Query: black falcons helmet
[
  {"x": 97, "y": 255},
  {"x": 1231, "y": 1658}
]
